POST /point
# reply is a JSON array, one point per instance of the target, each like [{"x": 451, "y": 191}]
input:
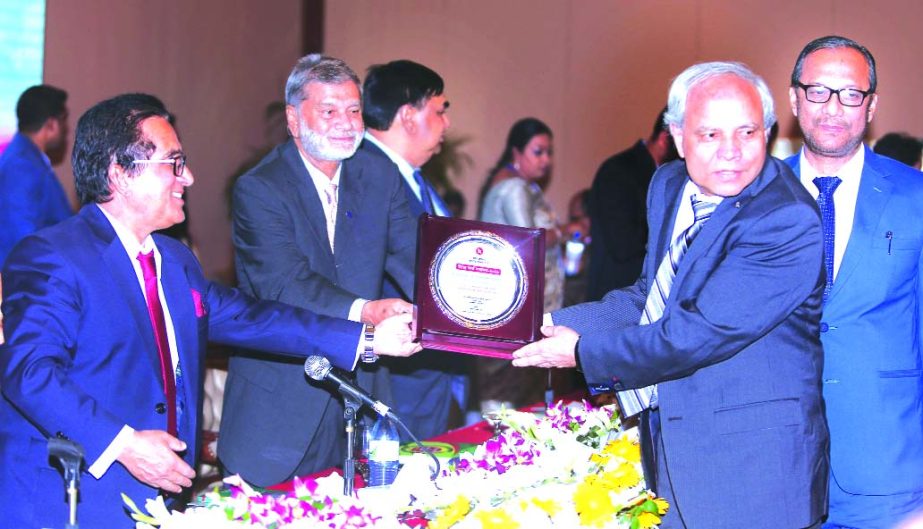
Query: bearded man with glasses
[{"x": 871, "y": 325}]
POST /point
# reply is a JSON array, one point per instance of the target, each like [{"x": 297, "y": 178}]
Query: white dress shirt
[
  {"x": 321, "y": 183},
  {"x": 406, "y": 171},
  {"x": 133, "y": 248}
]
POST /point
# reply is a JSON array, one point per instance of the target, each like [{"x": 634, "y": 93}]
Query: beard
[
  {"x": 831, "y": 149},
  {"x": 319, "y": 145}
]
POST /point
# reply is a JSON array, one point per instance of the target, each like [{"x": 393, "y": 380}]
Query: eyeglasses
[
  {"x": 848, "y": 97},
  {"x": 178, "y": 163}
]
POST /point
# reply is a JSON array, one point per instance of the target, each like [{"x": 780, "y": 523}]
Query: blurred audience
[
  {"x": 902, "y": 147},
  {"x": 31, "y": 197},
  {"x": 619, "y": 211},
  {"x": 512, "y": 196}
]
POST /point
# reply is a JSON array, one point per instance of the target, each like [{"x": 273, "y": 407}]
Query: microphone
[{"x": 319, "y": 368}]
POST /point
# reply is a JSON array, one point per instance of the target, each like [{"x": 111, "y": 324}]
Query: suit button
[
  {"x": 160, "y": 408},
  {"x": 824, "y": 327}
]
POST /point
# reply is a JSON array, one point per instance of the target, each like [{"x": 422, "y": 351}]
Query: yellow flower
[
  {"x": 662, "y": 505},
  {"x": 593, "y": 504},
  {"x": 496, "y": 519},
  {"x": 624, "y": 476},
  {"x": 647, "y": 519},
  {"x": 452, "y": 514},
  {"x": 550, "y": 507},
  {"x": 624, "y": 448}
]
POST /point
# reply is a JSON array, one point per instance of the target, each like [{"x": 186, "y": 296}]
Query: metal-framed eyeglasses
[
  {"x": 848, "y": 97},
  {"x": 178, "y": 163}
]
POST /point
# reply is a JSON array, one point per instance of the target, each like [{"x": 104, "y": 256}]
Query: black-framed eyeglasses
[
  {"x": 178, "y": 163},
  {"x": 848, "y": 97}
]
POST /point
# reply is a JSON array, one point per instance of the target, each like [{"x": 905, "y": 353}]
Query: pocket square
[{"x": 200, "y": 310}]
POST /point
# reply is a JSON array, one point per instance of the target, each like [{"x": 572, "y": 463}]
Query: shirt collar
[
  {"x": 402, "y": 165},
  {"x": 131, "y": 245},
  {"x": 850, "y": 173},
  {"x": 320, "y": 180}
]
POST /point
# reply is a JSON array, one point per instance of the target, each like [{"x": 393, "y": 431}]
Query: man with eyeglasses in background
[{"x": 871, "y": 326}]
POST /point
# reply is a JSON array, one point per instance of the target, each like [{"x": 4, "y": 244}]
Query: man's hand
[
  {"x": 374, "y": 312},
  {"x": 393, "y": 337},
  {"x": 557, "y": 350},
  {"x": 151, "y": 457}
]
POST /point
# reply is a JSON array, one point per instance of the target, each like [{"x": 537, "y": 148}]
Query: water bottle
[
  {"x": 573, "y": 254},
  {"x": 384, "y": 448}
]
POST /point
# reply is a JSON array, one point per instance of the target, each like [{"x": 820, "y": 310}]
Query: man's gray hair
[
  {"x": 697, "y": 73},
  {"x": 316, "y": 68}
]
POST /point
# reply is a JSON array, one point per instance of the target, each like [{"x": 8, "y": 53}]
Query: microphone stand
[
  {"x": 70, "y": 455},
  {"x": 350, "y": 407}
]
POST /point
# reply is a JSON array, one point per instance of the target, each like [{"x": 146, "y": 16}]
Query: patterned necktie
[
  {"x": 425, "y": 193},
  {"x": 155, "y": 311},
  {"x": 633, "y": 401},
  {"x": 827, "y": 185},
  {"x": 331, "y": 194}
]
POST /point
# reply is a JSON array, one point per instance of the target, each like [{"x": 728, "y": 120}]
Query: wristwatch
[{"x": 368, "y": 344}]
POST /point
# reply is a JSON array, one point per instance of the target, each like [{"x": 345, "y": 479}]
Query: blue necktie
[
  {"x": 426, "y": 197},
  {"x": 634, "y": 401},
  {"x": 827, "y": 185}
]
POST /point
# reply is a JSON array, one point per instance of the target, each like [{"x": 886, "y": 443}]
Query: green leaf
[{"x": 131, "y": 504}]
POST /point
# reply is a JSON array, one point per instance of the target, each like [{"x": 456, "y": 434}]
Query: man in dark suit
[
  {"x": 320, "y": 234},
  {"x": 107, "y": 327},
  {"x": 723, "y": 323},
  {"x": 405, "y": 112},
  {"x": 873, "y": 385},
  {"x": 618, "y": 214}
]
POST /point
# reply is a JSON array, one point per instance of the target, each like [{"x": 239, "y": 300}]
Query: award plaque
[{"x": 479, "y": 286}]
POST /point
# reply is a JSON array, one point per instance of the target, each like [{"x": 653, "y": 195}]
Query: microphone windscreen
[{"x": 317, "y": 367}]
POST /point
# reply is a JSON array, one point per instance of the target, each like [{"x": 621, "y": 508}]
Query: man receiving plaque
[{"x": 716, "y": 345}]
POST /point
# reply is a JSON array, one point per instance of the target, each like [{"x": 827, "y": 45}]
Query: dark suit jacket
[
  {"x": 421, "y": 385},
  {"x": 80, "y": 359},
  {"x": 736, "y": 355},
  {"x": 873, "y": 383},
  {"x": 618, "y": 222},
  {"x": 271, "y": 412}
]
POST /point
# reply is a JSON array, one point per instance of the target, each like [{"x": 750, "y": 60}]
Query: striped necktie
[
  {"x": 331, "y": 195},
  {"x": 633, "y": 401},
  {"x": 827, "y": 185}
]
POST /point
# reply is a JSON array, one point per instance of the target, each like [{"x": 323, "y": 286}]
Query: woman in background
[{"x": 512, "y": 196}]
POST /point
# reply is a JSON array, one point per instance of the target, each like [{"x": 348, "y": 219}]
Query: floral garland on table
[
  {"x": 313, "y": 504},
  {"x": 574, "y": 467}
]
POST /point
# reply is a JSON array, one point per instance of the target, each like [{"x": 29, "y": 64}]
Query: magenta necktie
[{"x": 155, "y": 311}]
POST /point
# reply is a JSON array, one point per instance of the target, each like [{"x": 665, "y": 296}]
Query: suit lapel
[
  {"x": 348, "y": 202},
  {"x": 125, "y": 282},
  {"x": 673, "y": 188},
  {"x": 303, "y": 187},
  {"x": 178, "y": 295},
  {"x": 874, "y": 193}
]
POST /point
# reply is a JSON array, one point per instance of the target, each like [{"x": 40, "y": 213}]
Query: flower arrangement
[
  {"x": 573, "y": 467},
  {"x": 313, "y": 504}
]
